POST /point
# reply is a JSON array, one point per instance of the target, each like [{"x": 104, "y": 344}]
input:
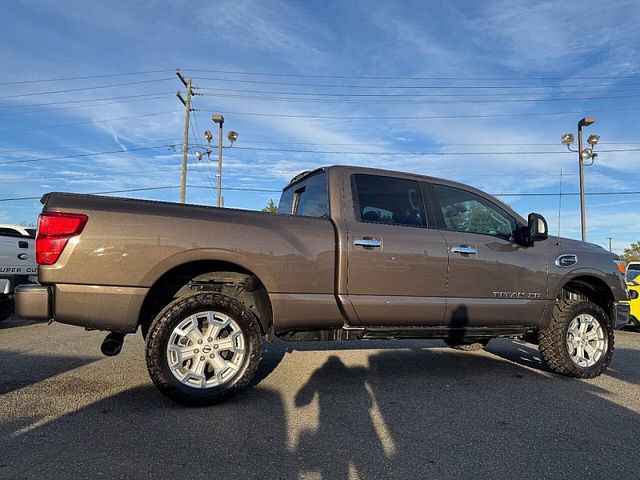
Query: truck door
[
  {"x": 493, "y": 281},
  {"x": 397, "y": 260}
]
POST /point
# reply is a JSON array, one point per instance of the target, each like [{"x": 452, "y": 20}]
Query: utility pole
[
  {"x": 185, "y": 144},
  {"x": 610, "y": 238}
]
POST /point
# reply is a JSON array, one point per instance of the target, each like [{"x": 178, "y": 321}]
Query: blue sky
[{"x": 319, "y": 83}]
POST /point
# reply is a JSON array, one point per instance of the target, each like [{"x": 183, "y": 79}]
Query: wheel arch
[
  {"x": 588, "y": 287},
  {"x": 225, "y": 277}
]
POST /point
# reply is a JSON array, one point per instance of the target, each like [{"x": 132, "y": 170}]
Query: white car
[
  {"x": 17, "y": 263},
  {"x": 633, "y": 267}
]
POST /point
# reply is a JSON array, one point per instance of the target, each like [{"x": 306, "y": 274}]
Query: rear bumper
[
  {"x": 8, "y": 283},
  {"x": 5, "y": 286},
  {"x": 98, "y": 307},
  {"x": 620, "y": 314},
  {"x": 33, "y": 302}
]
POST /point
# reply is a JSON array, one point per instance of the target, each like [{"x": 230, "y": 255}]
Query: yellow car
[{"x": 633, "y": 282}]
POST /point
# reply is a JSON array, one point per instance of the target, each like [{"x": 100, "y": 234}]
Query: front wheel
[
  {"x": 203, "y": 348},
  {"x": 578, "y": 341}
]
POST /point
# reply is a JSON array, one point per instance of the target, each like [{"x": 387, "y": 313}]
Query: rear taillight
[{"x": 54, "y": 231}]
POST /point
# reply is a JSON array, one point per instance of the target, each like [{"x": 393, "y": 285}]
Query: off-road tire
[
  {"x": 468, "y": 346},
  {"x": 553, "y": 346},
  {"x": 7, "y": 308},
  {"x": 160, "y": 332}
]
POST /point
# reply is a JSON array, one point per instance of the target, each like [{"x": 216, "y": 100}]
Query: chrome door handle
[
  {"x": 464, "y": 250},
  {"x": 368, "y": 243}
]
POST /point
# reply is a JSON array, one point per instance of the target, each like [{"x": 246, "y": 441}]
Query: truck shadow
[
  {"x": 410, "y": 413},
  {"x": 624, "y": 365},
  {"x": 19, "y": 370},
  {"x": 13, "y": 322}
]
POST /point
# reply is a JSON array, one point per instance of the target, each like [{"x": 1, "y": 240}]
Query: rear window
[
  {"x": 308, "y": 198},
  {"x": 12, "y": 232}
]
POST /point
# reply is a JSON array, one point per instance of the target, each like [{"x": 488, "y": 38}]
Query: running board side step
[{"x": 381, "y": 333}]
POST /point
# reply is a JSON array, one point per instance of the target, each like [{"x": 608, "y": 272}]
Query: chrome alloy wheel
[
  {"x": 207, "y": 349},
  {"x": 586, "y": 340}
]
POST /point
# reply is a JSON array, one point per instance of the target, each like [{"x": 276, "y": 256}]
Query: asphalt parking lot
[{"x": 353, "y": 410}]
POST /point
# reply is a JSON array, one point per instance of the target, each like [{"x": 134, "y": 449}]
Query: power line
[
  {"x": 207, "y": 171},
  {"x": 370, "y": 98},
  {"x": 421, "y": 117},
  {"x": 80, "y": 106},
  {"x": 406, "y": 145},
  {"x": 371, "y": 77},
  {"x": 51, "y": 175},
  {"x": 266, "y": 190},
  {"x": 129, "y": 190},
  {"x": 167, "y": 187},
  {"x": 88, "y": 100},
  {"x": 322, "y": 152},
  {"x": 270, "y": 142},
  {"x": 564, "y": 194},
  {"x": 82, "y": 155},
  {"x": 342, "y": 152},
  {"x": 417, "y": 87},
  {"x": 68, "y": 147},
  {"x": 51, "y": 92},
  {"x": 409, "y": 102},
  {"x": 86, "y": 77},
  {"x": 205, "y": 178},
  {"x": 88, "y": 122}
]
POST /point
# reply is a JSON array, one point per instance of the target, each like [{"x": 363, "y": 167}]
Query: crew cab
[
  {"x": 17, "y": 263},
  {"x": 354, "y": 253}
]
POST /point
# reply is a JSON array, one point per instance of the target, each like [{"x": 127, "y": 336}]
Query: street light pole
[
  {"x": 219, "y": 119},
  {"x": 585, "y": 122}
]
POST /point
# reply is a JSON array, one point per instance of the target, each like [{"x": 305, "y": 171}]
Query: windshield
[{"x": 633, "y": 275}]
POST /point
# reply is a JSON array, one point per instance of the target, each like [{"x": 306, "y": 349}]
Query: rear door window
[
  {"x": 308, "y": 198},
  {"x": 395, "y": 201}
]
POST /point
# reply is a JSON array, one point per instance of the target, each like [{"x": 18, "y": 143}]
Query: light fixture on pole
[
  {"x": 584, "y": 154},
  {"x": 200, "y": 154},
  {"x": 232, "y": 136}
]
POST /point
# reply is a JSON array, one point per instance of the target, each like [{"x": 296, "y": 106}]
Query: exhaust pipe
[{"x": 112, "y": 344}]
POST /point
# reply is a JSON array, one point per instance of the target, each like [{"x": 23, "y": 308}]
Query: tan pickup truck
[{"x": 354, "y": 253}]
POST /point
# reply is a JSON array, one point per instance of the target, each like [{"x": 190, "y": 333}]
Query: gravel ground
[{"x": 413, "y": 409}]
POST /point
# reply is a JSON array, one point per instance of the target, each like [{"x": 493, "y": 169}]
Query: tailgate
[{"x": 17, "y": 256}]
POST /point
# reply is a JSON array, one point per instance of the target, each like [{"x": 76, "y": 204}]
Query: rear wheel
[
  {"x": 579, "y": 339},
  {"x": 468, "y": 346},
  {"x": 203, "y": 348}
]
